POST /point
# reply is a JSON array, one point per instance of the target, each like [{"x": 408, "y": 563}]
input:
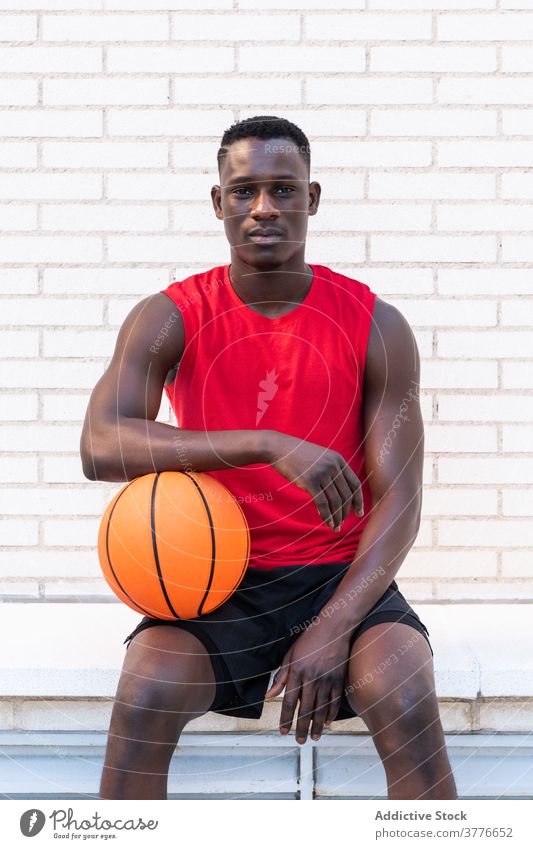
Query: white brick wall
[{"x": 419, "y": 117}]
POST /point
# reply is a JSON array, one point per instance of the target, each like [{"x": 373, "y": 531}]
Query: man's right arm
[{"x": 120, "y": 438}]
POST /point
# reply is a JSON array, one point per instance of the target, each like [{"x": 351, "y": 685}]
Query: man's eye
[
  {"x": 289, "y": 188},
  {"x": 236, "y": 191}
]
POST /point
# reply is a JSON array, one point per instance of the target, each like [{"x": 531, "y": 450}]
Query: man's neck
[{"x": 276, "y": 290}]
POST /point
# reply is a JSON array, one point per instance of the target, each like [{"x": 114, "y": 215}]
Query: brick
[
  {"x": 16, "y": 155},
  {"x": 79, "y": 343},
  {"x": 493, "y": 470},
  {"x": 517, "y": 437},
  {"x": 105, "y": 27},
  {"x": 359, "y": 217},
  {"x": 7, "y": 715},
  {"x": 517, "y": 122},
  {"x": 49, "y": 186},
  {"x": 194, "y": 155},
  {"x": 46, "y": 122},
  {"x": 50, "y": 249},
  {"x": 21, "y": 407},
  {"x": 15, "y": 92},
  {"x": 517, "y": 312},
  {"x": 484, "y": 533},
  {"x": 449, "y": 564},
  {"x": 437, "y": 186},
  {"x": 517, "y": 564},
  {"x": 63, "y": 375},
  {"x": 407, "y": 248},
  {"x": 415, "y": 590},
  {"x": 386, "y": 281},
  {"x": 237, "y": 90},
  {"x": 42, "y": 563},
  {"x": 433, "y": 5},
  {"x": 78, "y": 532},
  {"x": 119, "y": 91},
  {"x": 432, "y": 122},
  {"x": 170, "y": 122},
  {"x": 25, "y": 590},
  {"x": 93, "y": 281},
  {"x": 372, "y": 154},
  {"x": 517, "y": 376},
  {"x": 516, "y": 502},
  {"x": 78, "y": 590},
  {"x": 52, "y": 5},
  {"x": 174, "y": 59},
  {"x": 506, "y": 27},
  {"x": 51, "y": 501},
  {"x": 459, "y": 374},
  {"x": 434, "y": 58},
  {"x": 166, "y": 248},
  {"x": 103, "y": 217},
  {"x": 18, "y": 27},
  {"x": 498, "y": 407},
  {"x": 367, "y": 27},
  {"x": 19, "y": 532},
  {"x": 484, "y": 590},
  {"x": 42, "y": 60},
  {"x": 301, "y": 59},
  {"x": 236, "y": 27},
  {"x": 40, "y": 437},
  {"x": 297, "y": 4},
  {"x": 507, "y": 716},
  {"x": 55, "y": 311},
  {"x": 436, "y": 312},
  {"x": 485, "y": 91},
  {"x": 456, "y": 716},
  {"x": 169, "y": 5},
  {"x": 467, "y": 438},
  {"x": 482, "y": 217},
  {"x": 322, "y": 90},
  {"x": 440, "y": 501},
  {"x": 19, "y": 343},
  {"x": 517, "y": 248},
  {"x": 484, "y": 281},
  {"x": 18, "y": 469},
  {"x": 105, "y": 155},
  {"x": 118, "y": 309},
  {"x": 69, "y": 407},
  {"x": 63, "y": 469},
  {"x": 65, "y": 715},
  {"x": 518, "y": 59},
  {"x": 485, "y": 343},
  {"x": 485, "y": 153},
  {"x": 18, "y": 216}
]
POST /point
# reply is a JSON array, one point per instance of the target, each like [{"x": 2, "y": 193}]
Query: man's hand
[
  {"x": 313, "y": 671},
  {"x": 321, "y": 472}
]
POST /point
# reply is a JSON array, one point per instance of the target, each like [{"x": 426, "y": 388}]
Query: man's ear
[
  {"x": 215, "y": 199},
  {"x": 315, "y": 190}
]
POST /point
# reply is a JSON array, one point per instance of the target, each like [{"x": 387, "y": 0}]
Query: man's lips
[{"x": 265, "y": 236}]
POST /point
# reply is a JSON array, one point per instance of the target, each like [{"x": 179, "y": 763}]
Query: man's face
[{"x": 265, "y": 199}]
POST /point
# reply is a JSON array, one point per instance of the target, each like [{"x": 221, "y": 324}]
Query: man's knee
[{"x": 167, "y": 677}]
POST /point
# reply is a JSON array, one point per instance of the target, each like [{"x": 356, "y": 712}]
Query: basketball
[{"x": 174, "y": 545}]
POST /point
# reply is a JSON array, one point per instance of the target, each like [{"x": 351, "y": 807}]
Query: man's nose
[{"x": 264, "y": 206}]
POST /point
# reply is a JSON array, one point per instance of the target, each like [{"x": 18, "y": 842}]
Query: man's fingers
[
  {"x": 322, "y": 703},
  {"x": 288, "y": 706},
  {"x": 355, "y": 485},
  {"x": 305, "y": 713}
]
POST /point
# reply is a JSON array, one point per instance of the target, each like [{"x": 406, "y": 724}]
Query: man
[{"x": 297, "y": 388}]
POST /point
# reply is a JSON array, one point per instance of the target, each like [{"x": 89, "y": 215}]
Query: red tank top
[{"x": 301, "y": 374}]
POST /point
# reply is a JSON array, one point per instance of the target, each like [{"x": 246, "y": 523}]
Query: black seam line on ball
[
  {"x": 136, "y": 603},
  {"x": 154, "y": 546},
  {"x": 213, "y": 543}
]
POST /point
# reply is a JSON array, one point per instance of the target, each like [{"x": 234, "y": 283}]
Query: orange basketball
[{"x": 174, "y": 545}]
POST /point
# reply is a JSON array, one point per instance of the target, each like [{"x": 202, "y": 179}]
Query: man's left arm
[
  {"x": 314, "y": 668},
  {"x": 394, "y": 453}
]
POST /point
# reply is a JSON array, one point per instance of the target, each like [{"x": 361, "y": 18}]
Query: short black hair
[{"x": 265, "y": 127}]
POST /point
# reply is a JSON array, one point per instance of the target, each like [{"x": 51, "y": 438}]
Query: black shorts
[{"x": 248, "y": 636}]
